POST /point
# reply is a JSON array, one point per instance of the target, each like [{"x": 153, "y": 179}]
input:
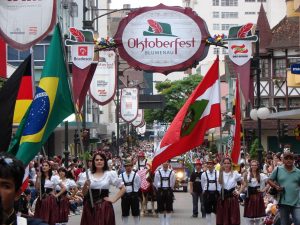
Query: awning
[{"x": 290, "y": 114}]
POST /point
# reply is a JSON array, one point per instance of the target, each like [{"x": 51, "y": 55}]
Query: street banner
[
  {"x": 240, "y": 52},
  {"x": 25, "y": 23},
  {"x": 139, "y": 119},
  {"x": 129, "y": 104},
  {"x": 141, "y": 129},
  {"x": 162, "y": 39},
  {"x": 103, "y": 85}
]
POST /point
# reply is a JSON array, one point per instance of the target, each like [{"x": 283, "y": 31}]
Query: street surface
[{"x": 182, "y": 213}]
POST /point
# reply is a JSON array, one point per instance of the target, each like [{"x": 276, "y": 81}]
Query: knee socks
[
  {"x": 136, "y": 220},
  {"x": 208, "y": 219},
  {"x": 125, "y": 220}
]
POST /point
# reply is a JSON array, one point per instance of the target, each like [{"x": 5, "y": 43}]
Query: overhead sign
[
  {"x": 162, "y": 38},
  {"x": 139, "y": 119},
  {"x": 24, "y": 23},
  {"x": 129, "y": 104}
]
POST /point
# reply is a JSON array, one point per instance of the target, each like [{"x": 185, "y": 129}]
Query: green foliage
[
  {"x": 176, "y": 94},
  {"x": 253, "y": 149},
  {"x": 213, "y": 148}
]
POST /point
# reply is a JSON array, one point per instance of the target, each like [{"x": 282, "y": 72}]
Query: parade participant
[
  {"x": 164, "y": 181},
  {"x": 46, "y": 206},
  {"x": 254, "y": 204},
  {"x": 196, "y": 189},
  {"x": 286, "y": 180},
  {"x": 210, "y": 187},
  {"x": 141, "y": 162},
  {"x": 11, "y": 178},
  {"x": 228, "y": 208},
  {"x": 130, "y": 200},
  {"x": 100, "y": 179}
]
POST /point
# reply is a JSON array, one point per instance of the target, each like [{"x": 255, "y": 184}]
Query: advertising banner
[
  {"x": 129, "y": 104},
  {"x": 139, "y": 119},
  {"x": 24, "y": 23},
  {"x": 103, "y": 85}
]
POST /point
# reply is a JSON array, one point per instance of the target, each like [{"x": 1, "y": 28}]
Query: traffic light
[{"x": 285, "y": 129}]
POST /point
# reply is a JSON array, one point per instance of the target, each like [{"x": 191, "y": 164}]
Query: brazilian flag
[{"x": 51, "y": 105}]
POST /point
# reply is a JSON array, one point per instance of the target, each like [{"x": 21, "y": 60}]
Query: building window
[
  {"x": 227, "y": 26},
  {"x": 230, "y": 15},
  {"x": 279, "y": 68},
  {"x": 264, "y": 66},
  {"x": 293, "y": 61},
  {"x": 294, "y": 102},
  {"x": 216, "y": 14},
  {"x": 216, "y": 2},
  {"x": 216, "y": 51},
  {"x": 229, "y": 2},
  {"x": 250, "y": 13},
  {"x": 216, "y": 26}
]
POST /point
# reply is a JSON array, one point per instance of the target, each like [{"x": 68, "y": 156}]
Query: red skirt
[
  {"x": 102, "y": 213},
  {"x": 47, "y": 209},
  {"x": 254, "y": 206},
  {"x": 228, "y": 211},
  {"x": 64, "y": 209}
]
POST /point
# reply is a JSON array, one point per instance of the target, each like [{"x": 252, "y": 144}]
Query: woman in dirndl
[
  {"x": 228, "y": 208},
  {"x": 100, "y": 179},
  {"x": 46, "y": 206},
  {"x": 255, "y": 181}
]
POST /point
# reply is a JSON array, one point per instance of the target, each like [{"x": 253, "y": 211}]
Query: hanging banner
[
  {"x": 139, "y": 119},
  {"x": 82, "y": 47},
  {"x": 162, "y": 38},
  {"x": 141, "y": 130},
  {"x": 24, "y": 23},
  {"x": 129, "y": 104},
  {"x": 103, "y": 85}
]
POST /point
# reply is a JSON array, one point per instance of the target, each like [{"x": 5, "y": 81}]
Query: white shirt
[
  {"x": 128, "y": 179},
  {"x": 254, "y": 183},
  {"x": 142, "y": 163},
  {"x": 211, "y": 177},
  {"x": 67, "y": 183},
  {"x": 165, "y": 183},
  {"x": 230, "y": 179},
  {"x": 104, "y": 182}
]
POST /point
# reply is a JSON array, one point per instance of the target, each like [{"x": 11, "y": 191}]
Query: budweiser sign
[{"x": 162, "y": 39}]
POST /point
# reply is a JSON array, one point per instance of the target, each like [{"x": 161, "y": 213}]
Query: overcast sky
[{"x": 116, "y": 4}]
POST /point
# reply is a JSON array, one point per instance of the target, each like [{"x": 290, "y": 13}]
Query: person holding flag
[{"x": 164, "y": 182}]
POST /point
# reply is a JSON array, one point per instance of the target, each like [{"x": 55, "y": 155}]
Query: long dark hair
[
  {"x": 257, "y": 172},
  {"x": 43, "y": 177},
  {"x": 105, "y": 162},
  {"x": 221, "y": 179}
]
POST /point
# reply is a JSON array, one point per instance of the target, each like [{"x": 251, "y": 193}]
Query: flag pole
[
  {"x": 77, "y": 116},
  {"x": 221, "y": 133}
]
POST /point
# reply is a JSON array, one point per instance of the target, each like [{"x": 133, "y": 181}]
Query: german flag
[{"x": 25, "y": 95}]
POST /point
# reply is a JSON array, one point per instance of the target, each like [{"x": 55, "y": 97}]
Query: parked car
[{"x": 178, "y": 166}]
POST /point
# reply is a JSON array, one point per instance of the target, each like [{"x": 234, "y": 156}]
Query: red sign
[{"x": 162, "y": 39}]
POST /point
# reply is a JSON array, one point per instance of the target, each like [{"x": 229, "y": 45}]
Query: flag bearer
[
  {"x": 130, "y": 200},
  {"x": 210, "y": 187},
  {"x": 164, "y": 181}
]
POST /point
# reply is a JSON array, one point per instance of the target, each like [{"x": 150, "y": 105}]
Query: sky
[{"x": 116, "y": 4}]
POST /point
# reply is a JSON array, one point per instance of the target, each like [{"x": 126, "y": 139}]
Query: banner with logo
[
  {"x": 141, "y": 129},
  {"x": 139, "y": 119},
  {"x": 24, "y": 23},
  {"x": 162, "y": 38},
  {"x": 129, "y": 104},
  {"x": 103, "y": 85},
  {"x": 240, "y": 52}
]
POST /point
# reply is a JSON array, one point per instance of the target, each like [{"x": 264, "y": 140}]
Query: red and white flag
[
  {"x": 235, "y": 153},
  {"x": 25, "y": 179},
  {"x": 201, "y": 112}
]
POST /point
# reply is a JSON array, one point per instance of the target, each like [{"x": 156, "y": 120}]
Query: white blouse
[
  {"x": 104, "y": 182},
  {"x": 254, "y": 183},
  {"x": 52, "y": 183},
  {"x": 230, "y": 179},
  {"x": 67, "y": 183}
]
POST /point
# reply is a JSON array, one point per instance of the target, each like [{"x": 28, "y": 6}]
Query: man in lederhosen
[
  {"x": 210, "y": 187},
  {"x": 130, "y": 199},
  {"x": 196, "y": 189},
  {"x": 164, "y": 181}
]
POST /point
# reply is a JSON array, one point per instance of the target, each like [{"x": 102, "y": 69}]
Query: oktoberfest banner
[
  {"x": 141, "y": 130},
  {"x": 24, "y": 23},
  {"x": 139, "y": 119},
  {"x": 129, "y": 104},
  {"x": 103, "y": 85}
]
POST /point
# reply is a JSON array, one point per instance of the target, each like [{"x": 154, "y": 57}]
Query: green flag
[{"x": 51, "y": 105}]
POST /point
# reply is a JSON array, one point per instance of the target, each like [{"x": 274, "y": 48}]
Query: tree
[
  {"x": 176, "y": 94},
  {"x": 253, "y": 149}
]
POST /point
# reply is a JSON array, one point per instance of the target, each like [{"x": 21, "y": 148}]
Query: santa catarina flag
[
  {"x": 8, "y": 97},
  {"x": 235, "y": 153},
  {"x": 200, "y": 113},
  {"x": 52, "y": 103}
]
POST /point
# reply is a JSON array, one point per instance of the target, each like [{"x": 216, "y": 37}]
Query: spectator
[{"x": 286, "y": 180}]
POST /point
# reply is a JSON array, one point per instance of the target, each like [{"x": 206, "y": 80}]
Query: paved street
[{"x": 181, "y": 216}]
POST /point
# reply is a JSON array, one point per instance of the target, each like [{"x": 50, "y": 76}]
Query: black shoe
[{"x": 195, "y": 215}]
